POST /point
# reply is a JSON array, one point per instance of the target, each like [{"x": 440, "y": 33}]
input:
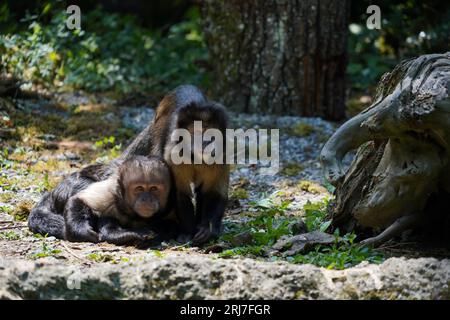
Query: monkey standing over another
[
  {"x": 179, "y": 109},
  {"x": 117, "y": 206}
]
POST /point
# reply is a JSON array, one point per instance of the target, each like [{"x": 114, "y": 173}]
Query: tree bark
[
  {"x": 279, "y": 56},
  {"x": 402, "y": 166}
]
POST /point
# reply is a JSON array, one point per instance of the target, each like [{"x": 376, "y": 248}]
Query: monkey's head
[
  {"x": 199, "y": 118},
  {"x": 144, "y": 185}
]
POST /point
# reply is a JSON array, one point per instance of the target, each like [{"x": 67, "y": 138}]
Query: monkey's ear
[
  {"x": 162, "y": 110},
  {"x": 161, "y": 113},
  {"x": 120, "y": 191},
  {"x": 165, "y": 107}
]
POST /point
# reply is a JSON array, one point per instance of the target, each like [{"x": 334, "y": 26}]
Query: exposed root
[{"x": 400, "y": 225}]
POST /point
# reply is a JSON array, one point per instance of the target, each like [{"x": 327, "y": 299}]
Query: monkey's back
[{"x": 47, "y": 216}]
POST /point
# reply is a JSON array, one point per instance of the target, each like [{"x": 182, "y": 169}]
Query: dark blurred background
[{"x": 152, "y": 46}]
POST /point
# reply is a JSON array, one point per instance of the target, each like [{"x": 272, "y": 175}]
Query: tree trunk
[{"x": 279, "y": 56}]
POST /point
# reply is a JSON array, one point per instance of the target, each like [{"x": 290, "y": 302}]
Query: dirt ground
[{"x": 49, "y": 138}]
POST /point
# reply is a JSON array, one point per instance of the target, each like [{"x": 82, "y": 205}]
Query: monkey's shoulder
[
  {"x": 95, "y": 172},
  {"x": 99, "y": 196}
]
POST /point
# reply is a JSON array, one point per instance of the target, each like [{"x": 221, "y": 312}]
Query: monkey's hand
[
  {"x": 204, "y": 234},
  {"x": 82, "y": 233},
  {"x": 92, "y": 235},
  {"x": 184, "y": 238},
  {"x": 79, "y": 221}
]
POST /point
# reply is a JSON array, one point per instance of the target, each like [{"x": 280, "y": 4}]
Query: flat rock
[
  {"x": 301, "y": 243},
  {"x": 199, "y": 277}
]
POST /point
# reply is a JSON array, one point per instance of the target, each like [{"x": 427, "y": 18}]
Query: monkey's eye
[
  {"x": 139, "y": 189},
  {"x": 153, "y": 188}
]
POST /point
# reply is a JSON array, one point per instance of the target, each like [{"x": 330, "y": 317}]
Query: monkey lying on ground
[
  {"x": 119, "y": 204},
  {"x": 179, "y": 109}
]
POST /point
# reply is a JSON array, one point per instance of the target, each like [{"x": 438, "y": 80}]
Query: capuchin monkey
[
  {"x": 121, "y": 204},
  {"x": 207, "y": 184}
]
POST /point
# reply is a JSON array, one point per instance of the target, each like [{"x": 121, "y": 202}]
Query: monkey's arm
[
  {"x": 112, "y": 232},
  {"x": 400, "y": 225},
  {"x": 44, "y": 218},
  {"x": 211, "y": 212},
  {"x": 80, "y": 221},
  {"x": 142, "y": 237},
  {"x": 166, "y": 229}
]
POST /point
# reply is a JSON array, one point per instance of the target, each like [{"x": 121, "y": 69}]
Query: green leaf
[{"x": 324, "y": 226}]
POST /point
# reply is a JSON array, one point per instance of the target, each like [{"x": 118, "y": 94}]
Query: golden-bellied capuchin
[
  {"x": 178, "y": 110},
  {"x": 122, "y": 204}
]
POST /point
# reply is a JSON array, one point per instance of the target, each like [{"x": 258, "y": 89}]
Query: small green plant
[
  {"x": 330, "y": 188},
  {"x": 311, "y": 187},
  {"x": 6, "y": 197},
  {"x": 254, "y": 250},
  {"x": 315, "y": 214},
  {"x": 272, "y": 223},
  {"x": 8, "y": 184},
  {"x": 5, "y": 163},
  {"x": 292, "y": 169},
  {"x": 108, "y": 144},
  {"x": 115, "y": 151},
  {"x": 6, "y": 209},
  {"x": 9, "y": 235},
  {"x": 265, "y": 229},
  {"x": 302, "y": 130},
  {"x": 22, "y": 210},
  {"x": 45, "y": 251},
  {"x": 239, "y": 193},
  {"x": 156, "y": 253},
  {"x": 344, "y": 253},
  {"x": 44, "y": 184},
  {"x": 105, "y": 143},
  {"x": 40, "y": 236},
  {"x": 100, "y": 257}
]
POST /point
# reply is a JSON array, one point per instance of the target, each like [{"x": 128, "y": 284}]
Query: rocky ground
[
  {"x": 193, "y": 277},
  {"x": 44, "y": 139}
]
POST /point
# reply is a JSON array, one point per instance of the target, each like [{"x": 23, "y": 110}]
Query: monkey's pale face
[{"x": 145, "y": 198}]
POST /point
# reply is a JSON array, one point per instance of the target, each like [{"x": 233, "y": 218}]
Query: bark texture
[
  {"x": 279, "y": 56},
  {"x": 402, "y": 167}
]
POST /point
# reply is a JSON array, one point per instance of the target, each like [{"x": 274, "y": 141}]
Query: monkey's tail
[{"x": 45, "y": 221}]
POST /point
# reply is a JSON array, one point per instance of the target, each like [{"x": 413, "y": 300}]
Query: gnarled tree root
[{"x": 403, "y": 142}]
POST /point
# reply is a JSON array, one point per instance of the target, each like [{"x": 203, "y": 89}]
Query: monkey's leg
[
  {"x": 80, "y": 221},
  {"x": 213, "y": 207},
  {"x": 400, "y": 225},
  {"x": 44, "y": 219},
  {"x": 111, "y": 232},
  {"x": 186, "y": 215}
]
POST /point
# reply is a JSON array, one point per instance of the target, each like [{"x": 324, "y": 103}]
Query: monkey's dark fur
[
  {"x": 90, "y": 205},
  {"x": 178, "y": 109},
  {"x": 47, "y": 216}
]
